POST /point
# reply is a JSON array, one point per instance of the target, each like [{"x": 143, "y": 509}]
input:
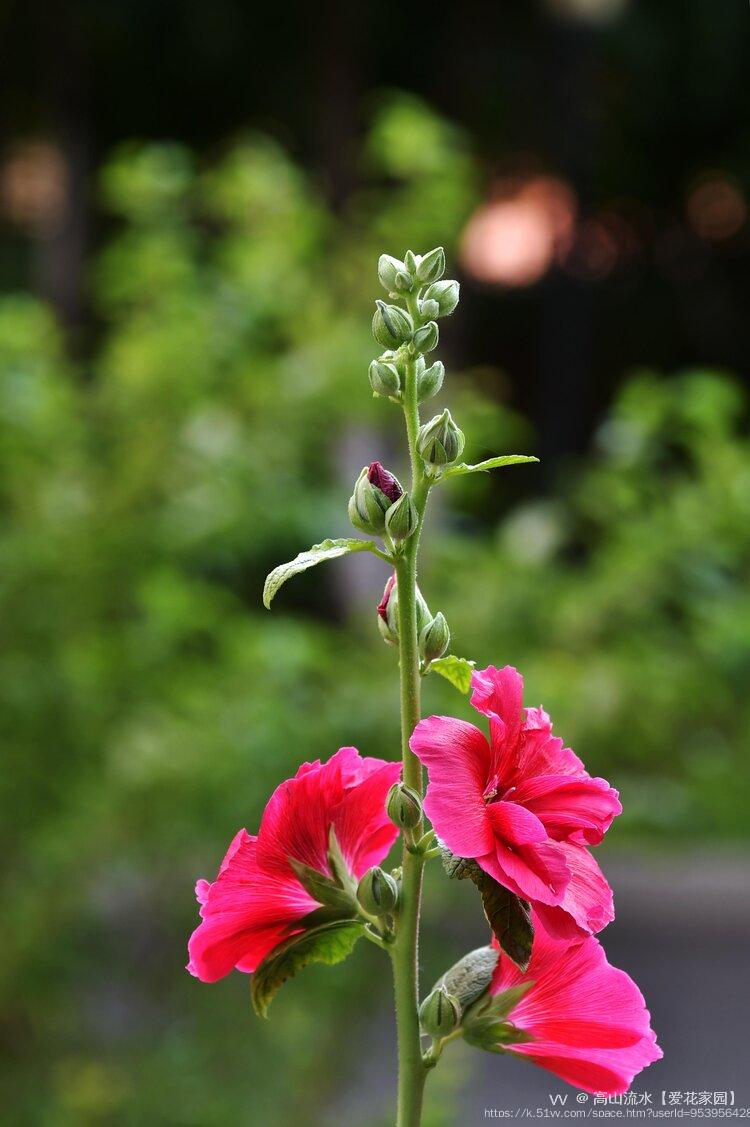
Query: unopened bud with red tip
[
  {"x": 388, "y": 612},
  {"x": 444, "y": 295},
  {"x": 440, "y": 441},
  {"x": 377, "y": 892},
  {"x": 403, "y": 806},
  {"x": 440, "y": 1013},
  {"x": 402, "y": 518},
  {"x": 374, "y": 493},
  {"x": 391, "y": 327},
  {"x": 434, "y": 638}
]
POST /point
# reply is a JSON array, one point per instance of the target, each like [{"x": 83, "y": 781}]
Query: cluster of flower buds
[{"x": 434, "y": 633}]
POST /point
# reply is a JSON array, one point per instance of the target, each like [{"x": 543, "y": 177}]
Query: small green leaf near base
[
  {"x": 457, "y": 670},
  {"x": 330, "y": 944}
]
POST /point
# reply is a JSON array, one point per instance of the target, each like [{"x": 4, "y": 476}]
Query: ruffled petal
[
  {"x": 245, "y": 914},
  {"x": 515, "y": 824},
  {"x": 457, "y": 758},
  {"x": 587, "y": 905},
  {"x": 588, "y": 1020},
  {"x": 363, "y": 829},
  {"x": 569, "y": 806},
  {"x": 535, "y": 872}
]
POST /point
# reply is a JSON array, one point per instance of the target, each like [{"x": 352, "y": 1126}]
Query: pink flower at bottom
[
  {"x": 521, "y": 804},
  {"x": 587, "y": 1021},
  {"x": 257, "y": 901}
]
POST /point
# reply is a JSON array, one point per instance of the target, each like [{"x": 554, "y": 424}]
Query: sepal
[
  {"x": 431, "y": 266},
  {"x": 426, "y": 338},
  {"x": 402, "y": 518},
  {"x": 430, "y": 380}
]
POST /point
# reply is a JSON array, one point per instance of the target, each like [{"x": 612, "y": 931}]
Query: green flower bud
[
  {"x": 431, "y": 266},
  {"x": 403, "y": 806},
  {"x": 377, "y": 892},
  {"x": 393, "y": 275},
  {"x": 384, "y": 379},
  {"x": 426, "y": 338},
  {"x": 434, "y": 638},
  {"x": 429, "y": 309},
  {"x": 440, "y": 441},
  {"x": 375, "y": 491},
  {"x": 402, "y": 518},
  {"x": 390, "y": 325},
  {"x": 444, "y": 295},
  {"x": 430, "y": 381},
  {"x": 440, "y": 1013},
  {"x": 410, "y": 261}
]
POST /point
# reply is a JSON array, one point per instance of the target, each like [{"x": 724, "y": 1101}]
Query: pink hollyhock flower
[
  {"x": 522, "y": 804},
  {"x": 257, "y": 901},
  {"x": 586, "y": 1020}
]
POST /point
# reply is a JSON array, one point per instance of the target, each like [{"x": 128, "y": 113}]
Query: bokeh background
[{"x": 192, "y": 201}]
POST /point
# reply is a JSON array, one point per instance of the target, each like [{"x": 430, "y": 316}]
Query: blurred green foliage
[{"x": 150, "y": 704}]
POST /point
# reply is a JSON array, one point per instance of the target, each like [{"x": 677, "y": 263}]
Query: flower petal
[
  {"x": 588, "y": 1020},
  {"x": 457, "y": 758},
  {"x": 587, "y": 905},
  {"x": 245, "y": 914},
  {"x": 535, "y": 872},
  {"x": 569, "y": 806},
  {"x": 515, "y": 824}
]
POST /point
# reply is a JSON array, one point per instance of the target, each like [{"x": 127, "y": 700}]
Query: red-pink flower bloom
[
  {"x": 587, "y": 1020},
  {"x": 385, "y": 481},
  {"x": 521, "y": 804},
  {"x": 256, "y": 901}
]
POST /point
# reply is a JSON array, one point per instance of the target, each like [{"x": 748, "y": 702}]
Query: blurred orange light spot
[
  {"x": 33, "y": 186},
  {"x": 716, "y": 208},
  {"x": 513, "y": 239}
]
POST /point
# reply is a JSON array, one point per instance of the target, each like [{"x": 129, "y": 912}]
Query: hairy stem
[{"x": 405, "y": 951}]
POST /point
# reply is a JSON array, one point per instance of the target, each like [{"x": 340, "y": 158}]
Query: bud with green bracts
[
  {"x": 393, "y": 274},
  {"x": 435, "y": 638},
  {"x": 429, "y": 309},
  {"x": 440, "y": 1013},
  {"x": 403, "y": 806},
  {"x": 375, "y": 491},
  {"x": 430, "y": 380},
  {"x": 444, "y": 295},
  {"x": 426, "y": 338},
  {"x": 402, "y": 518},
  {"x": 377, "y": 892},
  {"x": 440, "y": 441},
  {"x": 431, "y": 266},
  {"x": 410, "y": 261},
  {"x": 384, "y": 379},
  {"x": 388, "y": 612},
  {"x": 391, "y": 327}
]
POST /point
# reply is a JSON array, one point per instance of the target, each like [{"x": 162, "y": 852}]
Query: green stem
[{"x": 405, "y": 950}]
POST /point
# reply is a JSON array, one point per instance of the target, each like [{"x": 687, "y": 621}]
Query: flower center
[{"x": 493, "y": 792}]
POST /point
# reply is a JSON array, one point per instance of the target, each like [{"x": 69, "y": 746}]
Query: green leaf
[
  {"x": 318, "y": 553},
  {"x": 457, "y": 670},
  {"x": 470, "y": 976},
  {"x": 330, "y": 944},
  {"x": 507, "y": 914},
  {"x": 488, "y": 464}
]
